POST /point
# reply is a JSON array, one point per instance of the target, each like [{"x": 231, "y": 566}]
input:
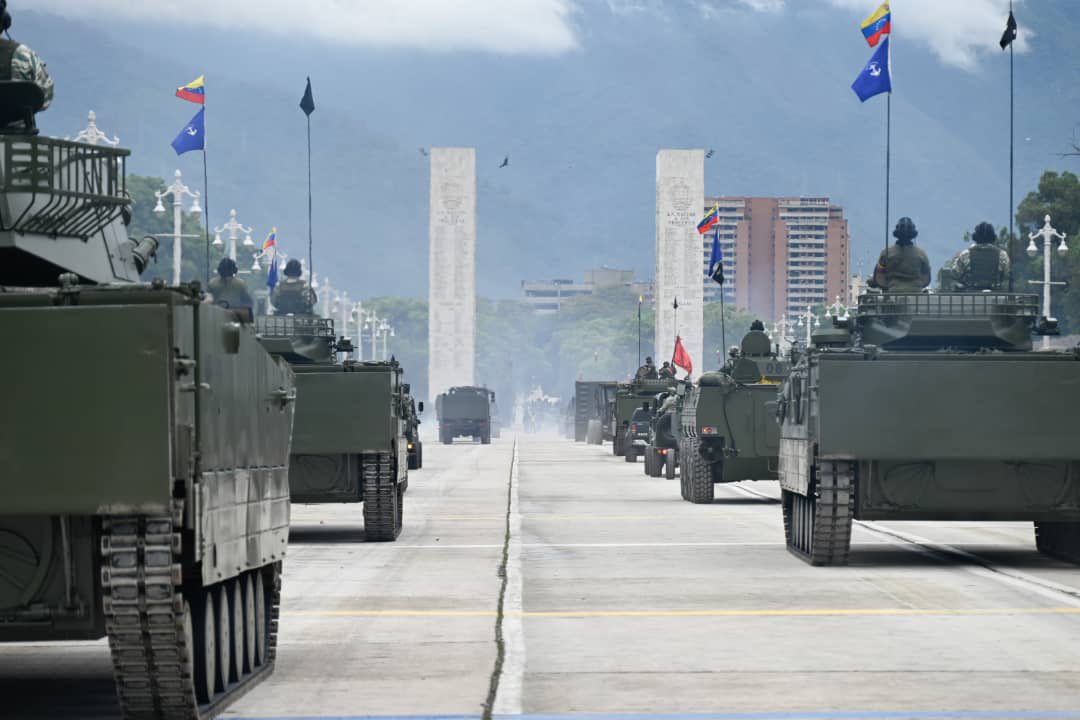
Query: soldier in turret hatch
[
  {"x": 902, "y": 267},
  {"x": 18, "y": 63},
  {"x": 647, "y": 371},
  {"x": 229, "y": 290},
  {"x": 666, "y": 371},
  {"x": 983, "y": 266},
  {"x": 757, "y": 326},
  {"x": 292, "y": 296}
]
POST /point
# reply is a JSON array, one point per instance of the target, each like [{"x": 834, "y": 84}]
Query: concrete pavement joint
[{"x": 508, "y": 701}]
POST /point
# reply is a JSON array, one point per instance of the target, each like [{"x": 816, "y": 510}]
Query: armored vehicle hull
[
  {"x": 464, "y": 412},
  {"x": 590, "y": 404},
  {"x": 916, "y": 433},
  {"x": 628, "y": 398},
  {"x": 145, "y": 488}
]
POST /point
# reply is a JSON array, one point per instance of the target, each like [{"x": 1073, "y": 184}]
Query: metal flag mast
[
  {"x": 888, "y": 142},
  {"x": 1012, "y": 263}
]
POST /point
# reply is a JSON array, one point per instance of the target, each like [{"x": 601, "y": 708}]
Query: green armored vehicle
[
  {"x": 931, "y": 407},
  {"x": 591, "y": 399},
  {"x": 412, "y": 428},
  {"x": 144, "y": 442},
  {"x": 465, "y": 412},
  {"x": 665, "y": 432},
  {"x": 630, "y": 397},
  {"x": 729, "y": 430},
  {"x": 349, "y": 443}
]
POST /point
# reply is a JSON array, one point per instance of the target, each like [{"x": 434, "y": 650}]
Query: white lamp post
[
  {"x": 178, "y": 190},
  {"x": 371, "y": 324},
  {"x": 1048, "y": 234},
  {"x": 837, "y": 308},
  {"x": 233, "y": 228},
  {"x": 811, "y": 321},
  {"x": 91, "y": 135},
  {"x": 386, "y": 330}
]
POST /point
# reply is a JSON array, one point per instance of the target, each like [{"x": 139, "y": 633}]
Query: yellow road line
[{"x": 794, "y": 612}]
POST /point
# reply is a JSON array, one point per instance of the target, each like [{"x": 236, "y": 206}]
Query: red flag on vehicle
[{"x": 681, "y": 358}]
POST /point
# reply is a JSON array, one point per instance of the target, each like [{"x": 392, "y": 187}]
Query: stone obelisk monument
[
  {"x": 680, "y": 197},
  {"x": 452, "y": 270}
]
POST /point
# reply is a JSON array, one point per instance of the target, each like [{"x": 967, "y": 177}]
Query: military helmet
[
  {"x": 648, "y": 361},
  {"x": 293, "y": 269},
  {"x": 905, "y": 230},
  {"x": 984, "y": 233},
  {"x": 226, "y": 268},
  {"x": 757, "y": 325}
]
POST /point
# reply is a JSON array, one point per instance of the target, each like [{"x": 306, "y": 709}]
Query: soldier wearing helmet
[
  {"x": 647, "y": 371},
  {"x": 292, "y": 296},
  {"x": 902, "y": 267},
  {"x": 18, "y": 63},
  {"x": 983, "y": 266},
  {"x": 229, "y": 290},
  {"x": 666, "y": 371}
]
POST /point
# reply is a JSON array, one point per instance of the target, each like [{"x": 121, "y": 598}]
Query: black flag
[
  {"x": 307, "y": 104},
  {"x": 1010, "y": 32}
]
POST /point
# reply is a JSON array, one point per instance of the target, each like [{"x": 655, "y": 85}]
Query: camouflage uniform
[
  {"x": 902, "y": 267},
  {"x": 292, "y": 296},
  {"x": 231, "y": 292},
  {"x": 973, "y": 272},
  {"x": 26, "y": 66}
]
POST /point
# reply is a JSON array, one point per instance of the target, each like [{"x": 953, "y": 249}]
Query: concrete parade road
[{"x": 620, "y": 599}]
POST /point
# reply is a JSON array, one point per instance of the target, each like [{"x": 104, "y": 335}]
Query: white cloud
[
  {"x": 503, "y": 26},
  {"x": 957, "y": 31}
]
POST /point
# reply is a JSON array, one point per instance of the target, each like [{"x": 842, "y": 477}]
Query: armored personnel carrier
[
  {"x": 630, "y": 397},
  {"x": 412, "y": 428},
  {"x": 590, "y": 404},
  {"x": 465, "y": 412},
  {"x": 665, "y": 431},
  {"x": 931, "y": 407},
  {"x": 729, "y": 430},
  {"x": 349, "y": 437},
  {"x": 144, "y": 441}
]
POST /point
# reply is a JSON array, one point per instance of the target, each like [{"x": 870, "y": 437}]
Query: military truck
[
  {"x": 628, "y": 398},
  {"x": 662, "y": 447},
  {"x": 415, "y": 445},
  {"x": 464, "y": 412},
  {"x": 144, "y": 441},
  {"x": 931, "y": 407},
  {"x": 729, "y": 430},
  {"x": 349, "y": 443},
  {"x": 590, "y": 406}
]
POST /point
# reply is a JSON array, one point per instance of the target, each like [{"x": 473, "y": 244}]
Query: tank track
[
  {"x": 148, "y": 620},
  {"x": 384, "y": 497},
  {"x": 817, "y": 527},
  {"x": 1060, "y": 540}
]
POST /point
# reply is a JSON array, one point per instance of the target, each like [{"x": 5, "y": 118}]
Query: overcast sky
[{"x": 956, "y": 31}]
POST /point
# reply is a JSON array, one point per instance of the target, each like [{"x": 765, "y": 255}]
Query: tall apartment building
[{"x": 779, "y": 254}]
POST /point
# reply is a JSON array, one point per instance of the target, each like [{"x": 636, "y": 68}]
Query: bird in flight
[
  {"x": 708, "y": 154},
  {"x": 423, "y": 152},
  {"x": 505, "y": 162}
]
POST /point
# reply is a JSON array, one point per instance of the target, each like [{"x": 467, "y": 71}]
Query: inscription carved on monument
[
  {"x": 680, "y": 193},
  {"x": 452, "y": 269}
]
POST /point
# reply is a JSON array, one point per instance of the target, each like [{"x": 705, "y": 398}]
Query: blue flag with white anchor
[
  {"x": 192, "y": 137},
  {"x": 876, "y": 77}
]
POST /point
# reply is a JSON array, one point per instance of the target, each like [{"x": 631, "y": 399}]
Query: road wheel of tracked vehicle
[
  {"x": 206, "y": 648},
  {"x": 262, "y": 623},
  {"x": 700, "y": 484},
  {"x": 251, "y": 627},
  {"x": 224, "y": 637},
  {"x": 817, "y": 526},
  {"x": 236, "y": 627},
  {"x": 382, "y": 496},
  {"x": 1059, "y": 540},
  {"x": 669, "y": 464}
]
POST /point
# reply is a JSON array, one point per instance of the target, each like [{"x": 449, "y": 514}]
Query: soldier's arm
[{"x": 27, "y": 66}]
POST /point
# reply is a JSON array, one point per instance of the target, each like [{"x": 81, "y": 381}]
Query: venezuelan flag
[
  {"x": 709, "y": 221},
  {"x": 877, "y": 25},
  {"x": 194, "y": 91},
  {"x": 270, "y": 241}
]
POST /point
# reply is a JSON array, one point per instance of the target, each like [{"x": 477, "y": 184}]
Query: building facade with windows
[
  {"x": 779, "y": 254},
  {"x": 546, "y": 297}
]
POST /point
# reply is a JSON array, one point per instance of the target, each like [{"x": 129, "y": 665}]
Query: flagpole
[
  {"x": 1012, "y": 141},
  {"x": 311, "y": 264},
  {"x": 723, "y": 322},
  {"x": 639, "y": 331},
  {"x": 888, "y": 159},
  {"x": 206, "y": 197}
]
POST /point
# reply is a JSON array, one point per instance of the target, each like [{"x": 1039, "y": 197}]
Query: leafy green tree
[{"x": 1058, "y": 196}]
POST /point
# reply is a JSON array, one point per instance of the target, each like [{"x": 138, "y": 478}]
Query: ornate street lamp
[
  {"x": 91, "y": 135},
  {"x": 1048, "y": 234},
  {"x": 177, "y": 190},
  {"x": 233, "y": 228}
]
